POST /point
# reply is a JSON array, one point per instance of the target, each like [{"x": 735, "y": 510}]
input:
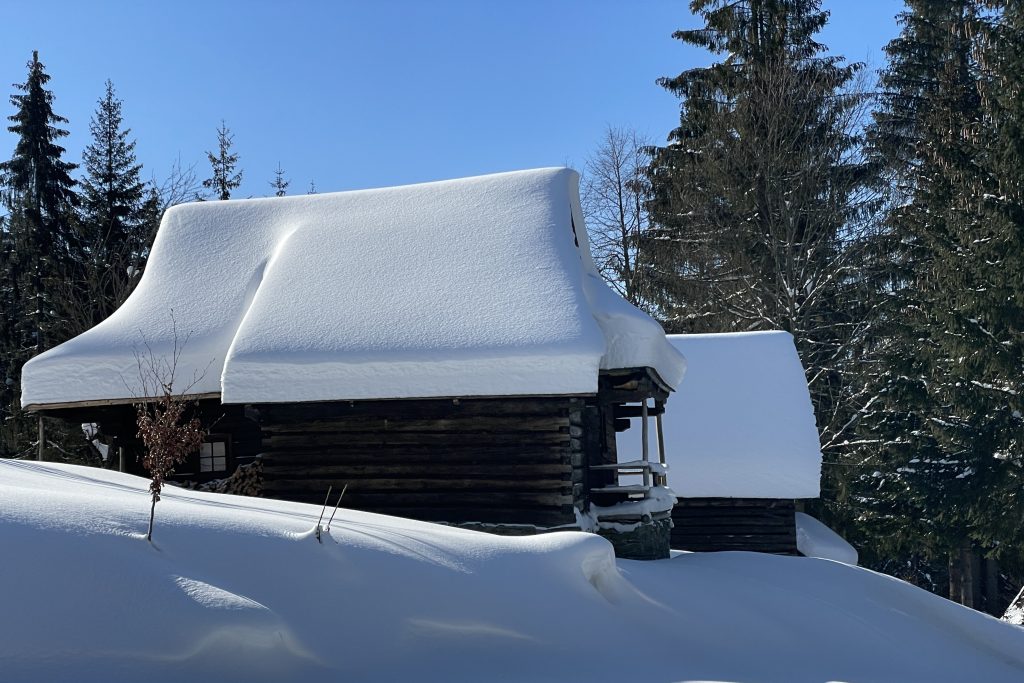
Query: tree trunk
[
  {"x": 152, "y": 511},
  {"x": 955, "y": 577},
  {"x": 993, "y": 603},
  {"x": 965, "y": 576},
  {"x": 977, "y": 580},
  {"x": 41, "y": 444}
]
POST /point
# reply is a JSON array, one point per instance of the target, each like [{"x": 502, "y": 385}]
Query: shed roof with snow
[
  {"x": 474, "y": 287},
  {"x": 741, "y": 424}
]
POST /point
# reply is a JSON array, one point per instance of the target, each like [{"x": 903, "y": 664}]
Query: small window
[{"x": 213, "y": 456}]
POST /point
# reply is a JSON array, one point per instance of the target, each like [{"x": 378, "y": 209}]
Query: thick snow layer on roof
[
  {"x": 239, "y": 589},
  {"x": 475, "y": 287},
  {"x": 741, "y": 424}
]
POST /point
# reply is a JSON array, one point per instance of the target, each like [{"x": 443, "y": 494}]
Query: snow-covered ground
[{"x": 240, "y": 589}]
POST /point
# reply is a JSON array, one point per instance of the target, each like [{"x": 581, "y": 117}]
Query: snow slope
[
  {"x": 473, "y": 287},
  {"x": 238, "y": 589}
]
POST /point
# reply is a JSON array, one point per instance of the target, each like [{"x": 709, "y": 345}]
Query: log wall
[
  {"x": 493, "y": 461},
  {"x": 754, "y": 524}
]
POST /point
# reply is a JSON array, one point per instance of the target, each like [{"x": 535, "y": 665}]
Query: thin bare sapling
[{"x": 167, "y": 429}]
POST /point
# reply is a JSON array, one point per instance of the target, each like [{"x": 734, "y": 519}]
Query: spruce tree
[
  {"x": 903, "y": 457},
  {"x": 117, "y": 219},
  {"x": 223, "y": 163},
  {"x": 279, "y": 183},
  {"x": 761, "y": 195},
  {"x": 41, "y": 247},
  {"x": 989, "y": 304},
  {"x": 946, "y": 361}
]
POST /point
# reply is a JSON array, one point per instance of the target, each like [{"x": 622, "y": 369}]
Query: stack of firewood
[{"x": 247, "y": 480}]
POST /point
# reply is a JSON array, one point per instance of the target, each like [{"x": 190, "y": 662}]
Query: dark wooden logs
[
  {"x": 273, "y": 440},
  {"x": 385, "y": 456},
  {"x": 493, "y": 461},
  {"x": 752, "y": 524},
  {"x": 507, "y": 461},
  {"x": 357, "y": 424},
  {"x": 468, "y": 471},
  {"x": 418, "y": 408}
]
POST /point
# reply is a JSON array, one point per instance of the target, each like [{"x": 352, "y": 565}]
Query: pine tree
[
  {"x": 117, "y": 215},
  {"x": 41, "y": 246},
  {"x": 761, "y": 195},
  {"x": 223, "y": 164},
  {"x": 279, "y": 183}
]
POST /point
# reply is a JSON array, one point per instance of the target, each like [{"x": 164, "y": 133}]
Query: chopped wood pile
[{"x": 246, "y": 480}]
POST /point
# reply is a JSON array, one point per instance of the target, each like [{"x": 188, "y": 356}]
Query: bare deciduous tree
[
  {"x": 615, "y": 194},
  {"x": 763, "y": 211},
  {"x": 181, "y": 185}
]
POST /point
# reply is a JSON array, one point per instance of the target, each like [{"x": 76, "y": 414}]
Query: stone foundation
[{"x": 646, "y": 541}]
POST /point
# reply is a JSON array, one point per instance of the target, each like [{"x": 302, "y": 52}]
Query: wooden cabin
[
  {"x": 447, "y": 350},
  {"x": 742, "y": 444}
]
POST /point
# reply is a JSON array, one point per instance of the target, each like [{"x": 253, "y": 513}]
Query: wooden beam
[
  {"x": 438, "y": 469},
  {"x": 42, "y": 407},
  {"x": 362, "y": 500},
  {"x": 637, "y": 411},
  {"x": 450, "y": 455},
  {"x": 403, "y": 423},
  {"x": 439, "y": 487},
  {"x": 328, "y": 441},
  {"x": 428, "y": 406}
]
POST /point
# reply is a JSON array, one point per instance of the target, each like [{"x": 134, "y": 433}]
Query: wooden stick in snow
[
  {"x": 344, "y": 488},
  {"x": 322, "y": 511}
]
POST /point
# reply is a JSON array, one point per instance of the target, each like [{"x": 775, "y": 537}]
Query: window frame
[{"x": 211, "y": 439}]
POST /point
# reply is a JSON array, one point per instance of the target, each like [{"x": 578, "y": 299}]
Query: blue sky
[{"x": 369, "y": 94}]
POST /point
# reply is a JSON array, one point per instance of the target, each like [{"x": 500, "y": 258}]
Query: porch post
[
  {"x": 644, "y": 430},
  {"x": 42, "y": 439}
]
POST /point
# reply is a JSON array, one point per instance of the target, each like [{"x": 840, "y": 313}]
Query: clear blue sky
[{"x": 367, "y": 94}]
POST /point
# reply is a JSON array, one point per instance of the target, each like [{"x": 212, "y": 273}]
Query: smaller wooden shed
[{"x": 741, "y": 443}]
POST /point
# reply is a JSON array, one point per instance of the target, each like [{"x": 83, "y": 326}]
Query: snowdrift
[{"x": 239, "y": 589}]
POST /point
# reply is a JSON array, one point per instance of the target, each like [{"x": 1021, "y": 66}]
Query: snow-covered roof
[
  {"x": 475, "y": 287},
  {"x": 741, "y": 424}
]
